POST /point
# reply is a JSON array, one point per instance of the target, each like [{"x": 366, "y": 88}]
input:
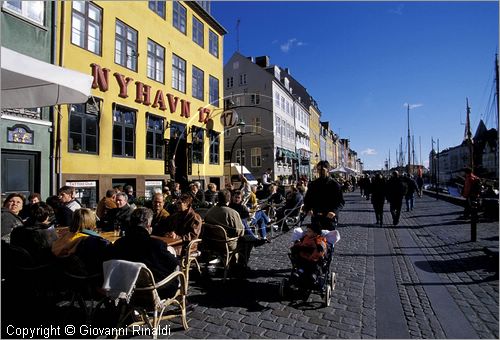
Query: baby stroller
[{"x": 300, "y": 284}]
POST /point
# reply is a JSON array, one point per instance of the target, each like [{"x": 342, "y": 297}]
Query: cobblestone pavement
[{"x": 438, "y": 273}]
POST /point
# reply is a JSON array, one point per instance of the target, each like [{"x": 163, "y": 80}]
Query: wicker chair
[
  {"x": 216, "y": 242},
  {"x": 192, "y": 253},
  {"x": 146, "y": 307}
]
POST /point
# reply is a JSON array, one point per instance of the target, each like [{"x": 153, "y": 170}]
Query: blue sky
[{"x": 363, "y": 61}]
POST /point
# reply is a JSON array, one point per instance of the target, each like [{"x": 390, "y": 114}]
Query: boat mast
[
  {"x": 468, "y": 136},
  {"x": 409, "y": 154}
]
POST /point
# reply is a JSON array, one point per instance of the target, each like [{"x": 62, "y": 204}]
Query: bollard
[{"x": 474, "y": 206}]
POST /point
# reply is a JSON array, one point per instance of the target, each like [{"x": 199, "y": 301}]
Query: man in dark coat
[
  {"x": 395, "y": 191},
  {"x": 118, "y": 218},
  {"x": 138, "y": 246},
  {"x": 378, "y": 197},
  {"x": 324, "y": 197}
]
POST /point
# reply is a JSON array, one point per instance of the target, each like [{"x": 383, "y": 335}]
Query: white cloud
[
  {"x": 369, "y": 152},
  {"x": 285, "y": 47},
  {"x": 413, "y": 106},
  {"x": 398, "y": 10}
]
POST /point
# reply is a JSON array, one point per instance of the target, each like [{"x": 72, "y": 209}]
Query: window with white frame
[
  {"x": 156, "y": 61},
  {"x": 240, "y": 157},
  {"x": 126, "y": 46},
  {"x": 198, "y": 32},
  {"x": 243, "y": 79},
  {"x": 255, "y": 98},
  {"x": 31, "y": 10},
  {"x": 179, "y": 16},
  {"x": 256, "y": 126},
  {"x": 86, "y": 26},
  {"x": 213, "y": 41},
  {"x": 198, "y": 79},
  {"x": 283, "y": 103},
  {"x": 277, "y": 99},
  {"x": 178, "y": 73},
  {"x": 229, "y": 82},
  {"x": 256, "y": 157},
  {"x": 278, "y": 125},
  {"x": 287, "y": 107}
]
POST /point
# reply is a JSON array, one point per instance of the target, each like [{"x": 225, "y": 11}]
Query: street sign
[{"x": 229, "y": 118}]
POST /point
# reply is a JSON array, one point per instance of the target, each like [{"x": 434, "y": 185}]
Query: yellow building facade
[
  {"x": 156, "y": 97},
  {"x": 314, "y": 133}
]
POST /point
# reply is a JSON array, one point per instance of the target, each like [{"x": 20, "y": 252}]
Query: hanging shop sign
[{"x": 144, "y": 94}]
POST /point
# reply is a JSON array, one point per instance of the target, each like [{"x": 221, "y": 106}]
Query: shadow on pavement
[
  {"x": 236, "y": 293},
  {"x": 488, "y": 263}
]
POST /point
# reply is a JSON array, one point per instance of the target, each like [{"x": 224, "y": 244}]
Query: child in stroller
[
  {"x": 311, "y": 255},
  {"x": 307, "y": 255}
]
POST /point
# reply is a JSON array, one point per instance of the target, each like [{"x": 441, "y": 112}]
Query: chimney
[
  {"x": 262, "y": 61},
  {"x": 251, "y": 59},
  {"x": 287, "y": 70}
]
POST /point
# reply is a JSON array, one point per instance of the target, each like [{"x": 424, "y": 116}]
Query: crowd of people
[{"x": 60, "y": 227}]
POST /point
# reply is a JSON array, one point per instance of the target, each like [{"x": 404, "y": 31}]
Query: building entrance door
[{"x": 20, "y": 172}]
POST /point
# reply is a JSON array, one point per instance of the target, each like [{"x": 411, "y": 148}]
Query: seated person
[
  {"x": 184, "y": 224},
  {"x": 197, "y": 195},
  {"x": 259, "y": 217},
  {"x": 118, "y": 218},
  {"x": 307, "y": 253},
  {"x": 293, "y": 202},
  {"x": 10, "y": 214},
  {"x": 83, "y": 241},
  {"x": 38, "y": 234},
  {"x": 211, "y": 194},
  {"x": 106, "y": 204},
  {"x": 160, "y": 215},
  {"x": 221, "y": 214},
  {"x": 63, "y": 216},
  {"x": 138, "y": 246}
]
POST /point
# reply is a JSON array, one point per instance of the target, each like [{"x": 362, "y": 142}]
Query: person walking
[
  {"x": 470, "y": 191},
  {"x": 395, "y": 190},
  {"x": 378, "y": 197},
  {"x": 324, "y": 198},
  {"x": 411, "y": 188},
  {"x": 266, "y": 179}
]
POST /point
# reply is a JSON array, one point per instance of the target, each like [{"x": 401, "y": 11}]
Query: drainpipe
[
  {"x": 52, "y": 165},
  {"x": 59, "y": 114}
]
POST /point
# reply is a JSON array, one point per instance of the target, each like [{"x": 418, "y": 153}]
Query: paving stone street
[{"x": 420, "y": 279}]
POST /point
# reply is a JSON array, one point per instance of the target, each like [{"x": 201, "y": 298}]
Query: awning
[
  {"x": 343, "y": 170},
  {"x": 28, "y": 83}
]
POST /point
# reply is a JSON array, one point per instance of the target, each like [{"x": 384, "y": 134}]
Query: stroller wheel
[
  {"x": 328, "y": 294},
  {"x": 283, "y": 287},
  {"x": 333, "y": 280}
]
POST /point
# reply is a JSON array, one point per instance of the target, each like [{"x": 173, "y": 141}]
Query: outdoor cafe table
[{"x": 111, "y": 237}]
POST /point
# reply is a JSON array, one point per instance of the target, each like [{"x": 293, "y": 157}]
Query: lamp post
[{"x": 241, "y": 131}]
